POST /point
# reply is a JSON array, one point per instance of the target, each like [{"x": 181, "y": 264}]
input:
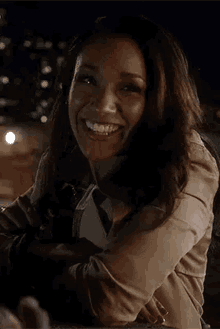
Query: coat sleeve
[
  {"x": 14, "y": 227},
  {"x": 117, "y": 283},
  {"x": 17, "y": 224}
]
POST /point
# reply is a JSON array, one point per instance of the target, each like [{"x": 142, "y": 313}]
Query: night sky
[{"x": 196, "y": 24}]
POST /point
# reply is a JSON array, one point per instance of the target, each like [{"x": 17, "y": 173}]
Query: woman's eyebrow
[
  {"x": 95, "y": 68},
  {"x": 133, "y": 75},
  {"x": 90, "y": 66}
]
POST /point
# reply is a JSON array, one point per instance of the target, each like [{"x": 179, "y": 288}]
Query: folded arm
[{"x": 118, "y": 282}]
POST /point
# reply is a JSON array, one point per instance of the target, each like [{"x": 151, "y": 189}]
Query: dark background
[{"x": 196, "y": 24}]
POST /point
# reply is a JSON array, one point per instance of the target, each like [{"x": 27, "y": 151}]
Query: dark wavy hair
[{"x": 158, "y": 148}]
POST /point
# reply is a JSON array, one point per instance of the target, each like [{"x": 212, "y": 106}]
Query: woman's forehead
[{"x": 115, "y": 49}]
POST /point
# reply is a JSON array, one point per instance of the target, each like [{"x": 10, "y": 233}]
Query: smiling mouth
[{"x": 101, "y": 131}]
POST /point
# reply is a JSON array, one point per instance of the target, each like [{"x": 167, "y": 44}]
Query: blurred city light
[
  {"x": 44, "y": 83},
  {"x": 4, "y": 80},
  {"x": 10, "y": 137},
  {"x": 27, "y": 43},
  {"x": 44, "y": 103},
  {"x": 34, "y": 114},
  {"x": 47, "y": 69},
  {"x": 62, "y": 44},
  {"x": 43, "y": 119},
  {"x": 60, "y": 60},
  {"x": 48, "y": 44},
  {"x": 2, "y": 45},
  {"x": 2, "y": 119},
  {"x": 3, "y": 102}
]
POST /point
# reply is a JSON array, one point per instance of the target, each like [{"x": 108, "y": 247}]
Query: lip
[{"x": 95, "y": 137}]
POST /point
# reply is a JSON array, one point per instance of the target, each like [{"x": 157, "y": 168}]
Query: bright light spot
[
  {"x": 47, "y": 69},
  {"x": 48, "y": 44},
  {"x": 27, "y": 43},
  {"x": 44, "y": 83},
  {"x": 44, "y": 103},
  {"x": 4, "y": 80},
  {"x": 10, "y": 137},
  {"x": 43, "y": 119},
  {"x": 2, "y": 45},
  {"x": 61, "y": 85}
]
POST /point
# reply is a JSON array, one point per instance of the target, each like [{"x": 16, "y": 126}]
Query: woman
[{"x": 119, "y": 219}]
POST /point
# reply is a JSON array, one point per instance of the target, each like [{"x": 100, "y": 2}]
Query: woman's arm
[{"x": 117, "y": 283}]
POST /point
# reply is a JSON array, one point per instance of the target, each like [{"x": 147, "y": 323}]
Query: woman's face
[{"x": 107, "y": 95}]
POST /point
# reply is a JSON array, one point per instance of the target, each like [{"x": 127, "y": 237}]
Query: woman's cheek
[
  {"x": 133, "y": 111},
  {"x": 80, "y": 98}
]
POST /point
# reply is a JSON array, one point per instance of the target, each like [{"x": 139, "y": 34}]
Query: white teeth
[{"x": 103, "y": 129}]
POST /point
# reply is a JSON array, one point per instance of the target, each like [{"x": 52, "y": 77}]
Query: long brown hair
[{"x": 158, "y": 148}]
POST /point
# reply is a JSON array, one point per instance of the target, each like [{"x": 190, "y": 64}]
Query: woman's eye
[
  {"x": 87, "y": 79},
  {"x": 132, "y": 88}
]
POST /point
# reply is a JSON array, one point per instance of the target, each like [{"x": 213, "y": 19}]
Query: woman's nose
[{"x": 107, "y": 101}]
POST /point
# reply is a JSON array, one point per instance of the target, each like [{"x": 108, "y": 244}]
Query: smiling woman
[
  {"x": 117, "y": 226},
  {"x": 107, "y": 99}
]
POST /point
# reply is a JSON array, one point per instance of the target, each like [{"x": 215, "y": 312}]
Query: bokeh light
[
  {"x": 4, "y": 80},
  {"x": 44, "y": 84},
  {"x": 48, "y": 44},
  {"x": 2, "y": 45},
  {"x": 10, "y": 137},
  {"x": 44, "y": 103},
  {"x": 47, "y": 69},
  {"x": 27, "y": 43},
  {"x": 43, "y": 119}
]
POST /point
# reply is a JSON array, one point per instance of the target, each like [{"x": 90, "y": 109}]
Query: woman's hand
[
  {"x": 29, "y": 315},
  {"x": 153, "y": 312}
]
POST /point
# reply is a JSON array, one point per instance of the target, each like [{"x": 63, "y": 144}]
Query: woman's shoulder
[
  {"x": 200, "y": 155},
  {"x": 195, "y": 138}
]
